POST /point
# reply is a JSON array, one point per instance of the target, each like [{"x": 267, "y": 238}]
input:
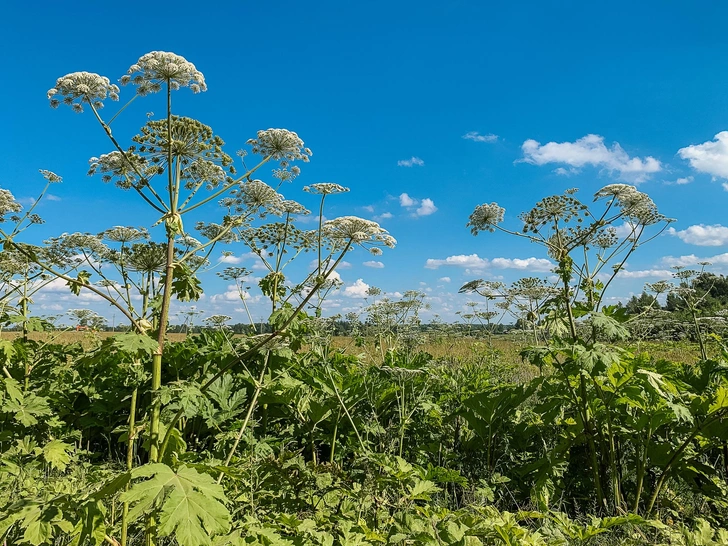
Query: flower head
[
  {"x": 358, "y": 231},
  {"x": 486, "y": 217},
  {"x": 50, "y": 176},
  {"x": 325, "y": 188},
  {"x": 280, "y": 144},
  {"x": 124, "y": 168},
  {"x": 157, "y": 67},
  {"x": 636, "y": 206},
  {"x": 122, "y": 234},
  {"x": 8, "y": 204},
  {"x": 78, "y": 87}
]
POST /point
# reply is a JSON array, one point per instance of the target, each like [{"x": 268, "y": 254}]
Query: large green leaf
[{"x": 191, "y": 504}]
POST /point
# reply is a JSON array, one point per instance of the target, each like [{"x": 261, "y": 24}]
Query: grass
[{"x": 505, "y": 347}]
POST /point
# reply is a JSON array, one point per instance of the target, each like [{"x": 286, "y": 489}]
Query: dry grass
[{"x": 506, "y": 348}]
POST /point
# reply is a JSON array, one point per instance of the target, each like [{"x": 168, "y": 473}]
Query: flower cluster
[
  {"x": 157, "y": 67},
  {"x": 8, "y": 205},
  {"x": 325, "y": 188},
  {"x": 79, "y": 87},
  {"x": 636, "y": 206},
  {"x": 280, "y": 144},
  {"x": 50, "y": 176},
  {"x": 554, "y": 209},
  {"x": 125, "y": 168},
  {"x": 358, "y": 231},
  {"x": 255, "y": 195},
  {"x": 123, "y": 234},
  {"x": 485, "y": 217}
]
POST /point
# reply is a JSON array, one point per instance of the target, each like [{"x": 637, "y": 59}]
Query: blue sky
[{"x": 439, "y": 106}]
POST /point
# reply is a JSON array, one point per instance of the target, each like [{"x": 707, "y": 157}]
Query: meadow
[{"x": 591, "y": 424}]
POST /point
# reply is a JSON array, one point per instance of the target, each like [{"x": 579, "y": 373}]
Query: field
[{"x": 542, "y": 412}]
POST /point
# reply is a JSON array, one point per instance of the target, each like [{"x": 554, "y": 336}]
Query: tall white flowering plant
[{"x": 177, "y": 165}]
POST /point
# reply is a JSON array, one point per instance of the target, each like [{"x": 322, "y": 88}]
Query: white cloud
[
  {"x": 461, "y": 260},
  {"x": 444, "y": 279},
  {"x": 426, "y": 208},
  {"x": 710, "y": 157},
  {"x": 682, "y": 181},
  {"x": 530, "y": 264},
  {"x": 702, "y": 235},
  {"x": 411, "y": 162},
  {"x": 692, "y": 259},
  {"x": 477, "y": 137},
  {"x": 342, "y": 265},
  {"x": 383, "y": 216},
  {"x": 590, "y": 150},
  {"x": 406, "y": 201},
  {"x": 368, "y": 208},
  {"x": 51, "y": 197},
  {"x": 357, "y": 290},
  {"x": 373, "y": 263},
  {"x": 473, "y": 261},
  {"x": 230, "y": 259},
  {"x": 641, "y": 274}
]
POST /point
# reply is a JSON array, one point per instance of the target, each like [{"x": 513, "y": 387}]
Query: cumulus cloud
[
  {"x": 425, "y": 206},
  {"x": 444, "y": 279},
  {"x": 406, "y": 201},
  {"x": 411, "y": 162},
  {"x": 702, "y": 235},
  {"x": 710, "y": 157},
  {"x": 373, "y": 263},
  {"x": 641, "y": 274},
  {"x": 357, "y": 290},
  {"x": 473, "y": 261},
  {"x": 383, "y": 216},
  {"x": 590, "y": 150},
  {"x": 477, "y": 137},
  {"x": 692, "y": 259}
]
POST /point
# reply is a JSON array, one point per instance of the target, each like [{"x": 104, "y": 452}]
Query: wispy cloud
[
  {"x": 590, "y": 150},
  {"x": 473, "y": 261},
  {"x": 411, "y": 162},
  {"x": 477, "y": 137},
  {"x": 51, "y": 197},
  {"x": 710, "y": 157},
  {"x": 373, "y": 263},
  {"x": 383, "y": 216}
]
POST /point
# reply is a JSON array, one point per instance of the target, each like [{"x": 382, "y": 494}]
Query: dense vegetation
[{"x": 277, "y": 437}]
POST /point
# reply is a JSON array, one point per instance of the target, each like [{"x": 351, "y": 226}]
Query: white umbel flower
[
  {"x": 280, "y": 144},
  {"x": 78, "y": 87},
  {"x": 8, "y": 204},
  {"x": 157, "y": 67},
  {"x": 358, "y": 231}
]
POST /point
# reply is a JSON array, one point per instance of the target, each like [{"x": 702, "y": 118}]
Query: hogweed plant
[
  {"x": 176, "y": 165},
  {"x": 600, "y": 393}
]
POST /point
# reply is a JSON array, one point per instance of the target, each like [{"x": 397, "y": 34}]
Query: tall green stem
[{"x": 129, "y": 464}]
